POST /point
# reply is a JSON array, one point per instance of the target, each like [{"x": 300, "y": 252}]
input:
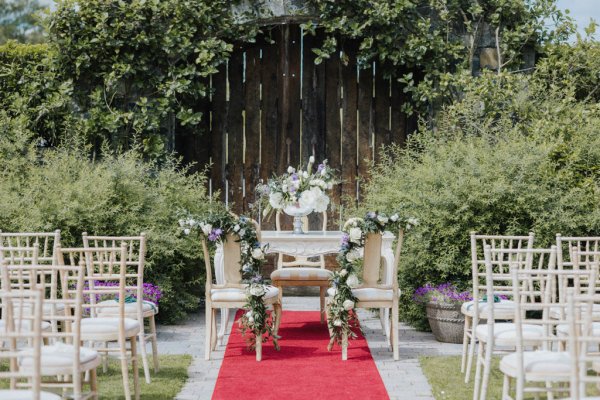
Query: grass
[{"x": 165, "y": 385}]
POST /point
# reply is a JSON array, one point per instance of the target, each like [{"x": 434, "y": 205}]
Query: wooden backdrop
[{"x": 272, "y": 106}]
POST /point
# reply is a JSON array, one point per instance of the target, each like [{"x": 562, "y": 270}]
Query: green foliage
[
  {"x": 139, "y": 68},
  {"x": 19, "y": 21},
  {"x": 513, "y": 156},
  {"x": 117, "y": 195},
  {"x": 423, "y": 43}
]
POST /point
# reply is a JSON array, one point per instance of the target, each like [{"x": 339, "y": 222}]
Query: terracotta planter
[{"x": 446, "y": 321}]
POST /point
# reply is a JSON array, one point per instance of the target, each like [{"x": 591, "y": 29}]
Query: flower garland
[
  {"x": 256, "y": 321},
  {"x": 341, "y": 315}
]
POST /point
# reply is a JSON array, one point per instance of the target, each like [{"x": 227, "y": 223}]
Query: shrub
[
  {"x": 500, "y": 162},
  {"x": 116, "y": 195}
]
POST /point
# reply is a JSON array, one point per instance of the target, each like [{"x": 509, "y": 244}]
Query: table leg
[
  {"x": 387, "y": 256},
  {"x": 220, "y": 278}
]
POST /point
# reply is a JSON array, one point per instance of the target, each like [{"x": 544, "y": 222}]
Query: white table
[{"x": 312, "y": 243}]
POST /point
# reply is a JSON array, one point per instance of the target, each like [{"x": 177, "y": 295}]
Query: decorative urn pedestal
[
  {"x": 296, "y": 211},
  {"x": 446, "y": 321}
]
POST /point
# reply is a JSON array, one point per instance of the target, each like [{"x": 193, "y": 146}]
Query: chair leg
[
  {"x": 208, "y": 329},
  {"x": 142, "y": 339},
  {"x": 258, "y": 348},
  {"x": 94, "y": 383},
  {"x": 213, "y": 333},
  {"x": 471, "y": 355},
  {"x": 506, "y": 387},
  {"x": 224, "y": 324},
  {"x": 104, "y": 358},
  {"x": 124, "y": 368},
  {"x": 478, "y": 363},
  {"x": 135, "y": 368},
  {"x": 465, "y": 351},
  {"x": 277, "y": 310},
  {"x": 344, "y": 346},
  {"x": 489, "y": 348},
  {"x": 154, "y": 343},
  {"x": 395, "y": 333},
  {"x": 322, "y": 292}
]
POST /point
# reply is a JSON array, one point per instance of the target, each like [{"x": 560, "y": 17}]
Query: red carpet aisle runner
[{"x": 302, "y": 369}]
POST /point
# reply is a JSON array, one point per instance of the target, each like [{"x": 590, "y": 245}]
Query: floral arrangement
[
  {"x": 215, "y": 226},
  {"x": 445, "y": 293},
  {"x": 151, "y": 293},
  {"x": 340, "y": 311},
  {"x": 306, "y": 189}
]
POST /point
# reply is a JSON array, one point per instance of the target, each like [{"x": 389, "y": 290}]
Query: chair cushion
[
  {"x": 26, "y": 395},
  {"x": 539, "y": 365},
  {"x": 368, "y": 294},
  {"x": 505, "y": 333},
  {"x": 239, "y": 295},
  {"x": 301, "y": 274},
  {"x": 107, "y": 329},
  {"x": 504, "y": 309},
  {"x": 45, "y": 325},
  {"x": 58, "y": 359},
  {"x": 555, "y": 312},
  {"x": 563, "y": 329},
  {"x": 111, "y": 308},
  {"x": 59, "y": 308}
]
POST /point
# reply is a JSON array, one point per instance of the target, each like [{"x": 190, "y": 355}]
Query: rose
[
  {"x": 351, "y": 222},
  {"x": 186, "y": 231},
  {"x": 352, "y": 281},
  {"x": 321, "y": 203},
  {"x": 394, "y": 217},
  {"x": 355, "y": 235},
  {"x": 291, "y": 170},
  {"x": 353, "y": 255},
  {"x": 257, "y": 290},
  {"x": 258, "y": 254},
  {"x": 382, "y": 219},
  {"x": 348, "y": 305},
  {"x": 275, "y": 200}
]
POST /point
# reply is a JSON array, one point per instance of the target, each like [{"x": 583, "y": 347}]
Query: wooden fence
[{"x": 272, "y": 106}]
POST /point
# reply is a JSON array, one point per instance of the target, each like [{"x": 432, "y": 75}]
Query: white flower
[
  {"x": 348, "y": 305},
  {"x": 257, "y": 254},
  {"x": 413, "y": 221},
  {"x": 352, "y": 281},
  {"x": 257, "y": 290},
  {"x": 382, "y": 219},
  {"x": 355, "y": 235},
  {"x": 284, "y": 188},
  {"x": 275, "y": 200},
  {"x": 242, "y": 232},
  {"x": 247, "y": 268},
  {"x": 305, "y": 174},
  {"x": 321, "y": 203},
  {"x": 337, "y": 322},
  {"x": 353, "y": 255},
  {"x": 186, "y": 231},
  {"x": 351, "y": 222},
  {"x": 206, "y": 228},
  {"x": 324, "y": 172},
  {"x": 394, "y": 217},
  {"x": 181, "y": 222},
  {"x": 311, "y": 159},
  {"x": 236, "y": 228},
  {"x": 343, "y": 272},
  {"x": 308, "y": 199},
  {"x": 291, "y": 170},
  {"x": 250, "y": 317}
]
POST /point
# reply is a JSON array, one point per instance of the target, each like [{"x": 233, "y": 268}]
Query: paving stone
[{"x": 403, "y": 379}]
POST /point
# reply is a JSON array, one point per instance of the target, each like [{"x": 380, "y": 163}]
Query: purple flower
[
  {"x": 443, "y": 293},
  {"x": 345, "y": 239},
  {"x": 294, "y": 177},
  {"x": 320, "y": 168},
  {"x": 215, "y": 234},
  {"x": 371, "y": 214}
]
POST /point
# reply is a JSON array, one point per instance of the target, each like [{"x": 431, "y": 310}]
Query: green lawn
[{"x": 165, "y": 385}]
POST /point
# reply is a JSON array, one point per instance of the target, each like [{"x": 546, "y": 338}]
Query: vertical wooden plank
[
  {"x": 398, "y": 98},
  {"x": 252, "y": 123},
  {"x": 349, "y": 124},
  {"x": 365, "y": 128},
  {"x": 290, "y": 96},
  {"x": 332, "y": 128},
  {"x": 382, "y": 111},
  {"x": 235, "y": 129},
  {"x": 270, "y": 106},
  {"x": 219, "y": 127}
]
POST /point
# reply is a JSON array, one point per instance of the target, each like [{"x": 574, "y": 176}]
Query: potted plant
[{"x": 443, "y": 303}]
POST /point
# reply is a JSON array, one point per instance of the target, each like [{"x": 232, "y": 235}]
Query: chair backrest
[
  {"x": 372, "y": 260},
  {"x": 300, "y": 261},
  {"x": 232, "y": 256},
  {"x": 45, "y": 242},
  {"x": 586, "y": 248},
  {"x": 583, "y": 344},
  {"x": 19, "y": 327}
]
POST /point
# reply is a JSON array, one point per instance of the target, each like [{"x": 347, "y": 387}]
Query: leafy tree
[{"x": 19, "y": 21}]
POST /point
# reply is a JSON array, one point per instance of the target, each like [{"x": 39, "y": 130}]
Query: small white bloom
[
  {"x": 353, "y": 281},
  {"x": 257, "y": 290},
  {"x": 247, "y": 268},
  {"x": 236, "y": 228},
  {"x": 305, "y": 174},
  {"x": 337, "y": 322},
  {"x": 248, "y": 314},
  {"x": 353, "y": 255},
  {"x": 291, "y": 170},
  {"x": 242, "y": 232},
  {"x": 206, "y": 228},
  {"x": 181, "y": 223},
  {"x": 311, "y": 159},
  {"x": 382, "y": 219},
  {"x": 275, "y": 200},
  {"x": 348, "y": 305},
  {"x": 257, "y": 254},
  {"x": 343, "y": 272},
  {"x": 394, "y": 217},
  {"x": 186, "y": 231},
  {"x": 250, "y": 319},
  {"x": 284, "y": 188},
  {"x": 324, "y": 172},
  {"x": 355, "y": 235},
  {"x": 413, "y": 221},
  {"x": 351, "y": 222},
  {"x": 321, "y": 203}
]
